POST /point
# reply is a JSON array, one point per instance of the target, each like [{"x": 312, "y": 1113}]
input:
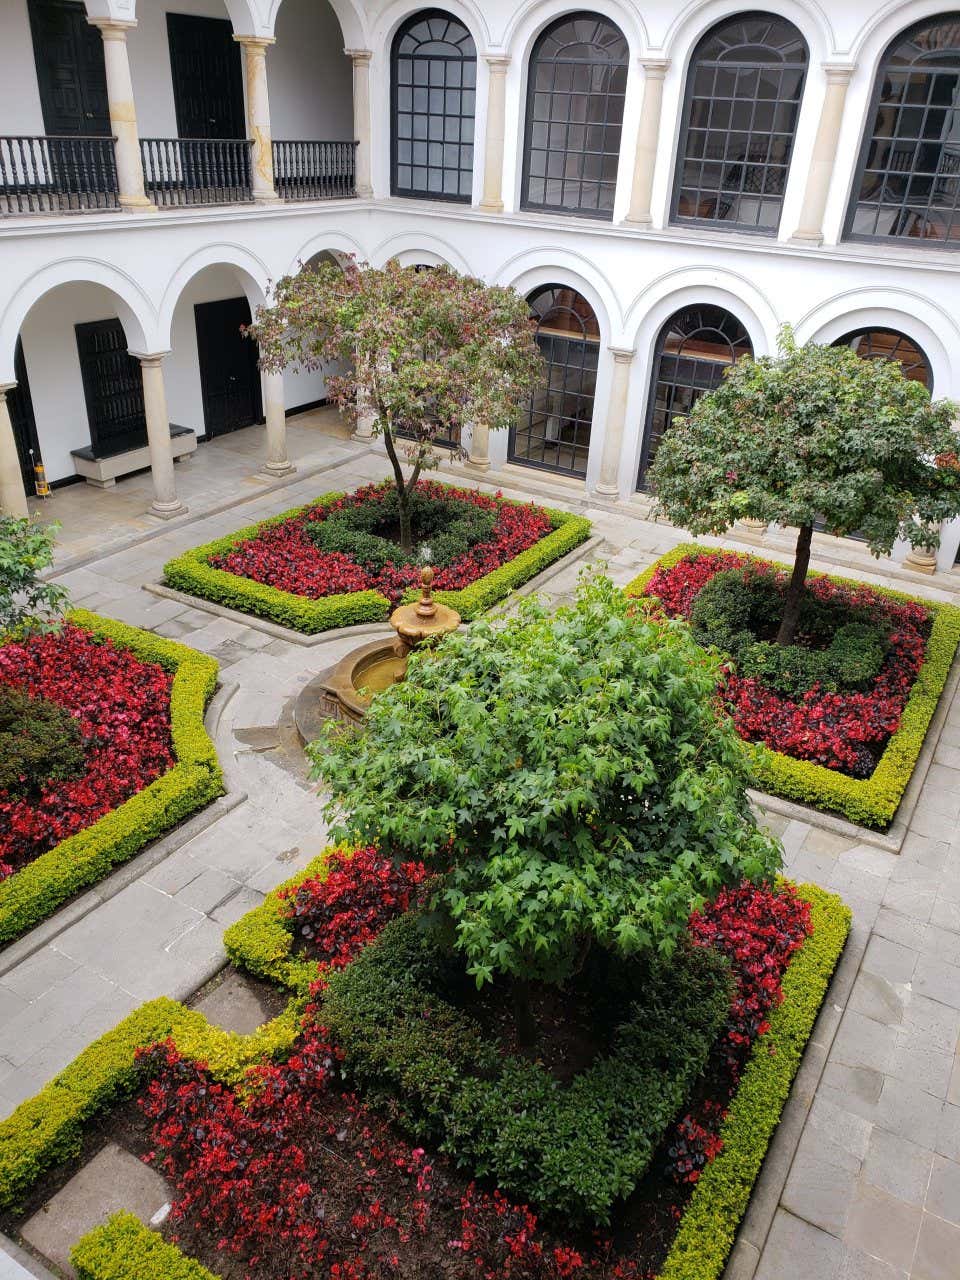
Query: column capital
[
  {"x": 622, "y": 355},
  {"x": 497, "y": 62},
  {"x": 113, "y": 28},
  {"x": 256, "y": 42},
  {"x": 153, "y": 358},
  {"x": 654, "y": 68},
  {"x": 5, "y": 387},
  {"x": 838, "y": 72},
  {"x": 361, "y": 56}
]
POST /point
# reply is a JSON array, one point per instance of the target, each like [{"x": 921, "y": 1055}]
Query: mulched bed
[
  {"x": 122, "y": 707},
  {"x": 847, "y": 730}
]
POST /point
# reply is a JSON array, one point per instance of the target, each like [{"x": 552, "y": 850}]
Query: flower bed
[
  {"x": 296, "y": 572},
  {"x": 850, "y": 749},
  {"x": 143, "y": 762},
  {"x": 296, "y": 1173}
]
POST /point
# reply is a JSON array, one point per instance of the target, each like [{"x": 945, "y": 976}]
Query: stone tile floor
[{"x": 873, "y": 1191}]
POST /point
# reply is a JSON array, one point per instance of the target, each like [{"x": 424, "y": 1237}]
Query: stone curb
[
  {"x": 768, "y": 1188},
  {"x": 291, "y": 636},
  {"x": 194, "y": 517},
  {"x": 47, "y": 930},
  {"x": 17, "y": 1264}
]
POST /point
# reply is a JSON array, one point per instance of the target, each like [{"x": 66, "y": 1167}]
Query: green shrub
[
  {"x": 572, "y": 1150},
  {"x": 40, "y": 743},
  {"x": 852, "y": 658},
  {"x": 86, "y": 857},
  {"x": 734, "y": 607},
  {"x": 124, "y": 1249}
]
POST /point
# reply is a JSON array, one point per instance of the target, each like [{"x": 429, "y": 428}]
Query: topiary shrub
[{"x": 40, "y": 743}]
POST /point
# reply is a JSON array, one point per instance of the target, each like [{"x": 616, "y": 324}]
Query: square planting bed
[
  {"x": 849, "y": 749},
  {"x": 351, "y": 1128},
  {"x": 292, "y": 572},
  {"x": 122, "y": 756}
]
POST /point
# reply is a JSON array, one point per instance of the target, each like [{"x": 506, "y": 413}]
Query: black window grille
[
  {"x": 575, "y": 94},
  {"x": 890, "y": 344},
  {"x": 908, "y": 179},
  {"x": 740, "y": 115},
  {"x": 694, "y": 350},
  {"x": 554, "y": 433},
  {"x": 434, "y": 86}
]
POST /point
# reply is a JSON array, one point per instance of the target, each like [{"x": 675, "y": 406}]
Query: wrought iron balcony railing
[
  {"x": 314, "y": 170},
  {"x": 191, "y": 171},
  {"x": 57, "y": 174}
]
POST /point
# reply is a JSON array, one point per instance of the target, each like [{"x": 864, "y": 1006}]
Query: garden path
[{"x": 872, "y": 1191}]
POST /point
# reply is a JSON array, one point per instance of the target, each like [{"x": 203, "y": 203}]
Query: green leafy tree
[
  {"x": 426, "y": 352},
  {"x": 812, "y": 433},
  {"x": 27, "y": 602},
  {"x": 568, "y": 776}
]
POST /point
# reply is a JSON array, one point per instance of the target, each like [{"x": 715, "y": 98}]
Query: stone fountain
[{"x": 345, "y": 692}]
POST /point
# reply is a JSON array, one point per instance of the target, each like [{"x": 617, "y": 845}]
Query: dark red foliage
[
  {"x": 283, "y": 556},
  {"x": 843, "y": 731},
  {"x": 296, "y": 1178},
  {"x": 123, "y": 709}
]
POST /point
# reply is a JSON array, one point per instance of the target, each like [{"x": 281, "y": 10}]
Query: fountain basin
[{"x": 344, "y": 691}]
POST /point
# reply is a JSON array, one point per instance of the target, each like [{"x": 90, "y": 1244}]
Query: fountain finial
[{"x": 426, "y": 605}]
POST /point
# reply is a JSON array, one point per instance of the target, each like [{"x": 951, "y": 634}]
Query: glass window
[
  {"x": 740, "y": 114},
  {"x": 575, "y": 94},
  {"x": 889, "y": 344},
  {"x": 695, "y": 348},
  {"x": 555, "y": 430},
  {"x": 908, "y": 182},
  {"x": 434, "y": 81}
]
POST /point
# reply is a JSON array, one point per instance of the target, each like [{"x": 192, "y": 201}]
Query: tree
[
  {"x": 812, "y": 433},
  {"x": 425, "y": 351},
  {"x": 27, "y": 603},
  {"x": 568, "y": 777}
]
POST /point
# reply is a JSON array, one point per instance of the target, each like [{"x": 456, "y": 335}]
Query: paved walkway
[{"x": 873, "y": 1191}]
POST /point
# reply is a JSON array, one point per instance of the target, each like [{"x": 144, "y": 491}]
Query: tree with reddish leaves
[{"x": 425, "y": 353}]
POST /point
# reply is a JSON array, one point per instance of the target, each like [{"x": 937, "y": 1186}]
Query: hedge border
[
  {"x": 869, "y": 802},
  {"x": 193, "y": 573},
  {"x": 35, "y": 891}
]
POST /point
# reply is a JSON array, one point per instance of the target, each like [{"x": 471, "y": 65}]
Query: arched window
[
  {"x": 434, "y": 79},
  {"x": 740, "y": 114},
  {"x": 908, "y": 181},
  {"x": 575, "y": 95},
  {"x": 695, "y": 348},
  {"x": 890, "y": 344},
  {"x": 555, "y": 431}
]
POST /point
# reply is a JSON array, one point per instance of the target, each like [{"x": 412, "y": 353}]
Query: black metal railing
[
  {"x": 185, "y": 171},
  {"x": 314, "y": 170},
  {"x": 57, "y": 175}
]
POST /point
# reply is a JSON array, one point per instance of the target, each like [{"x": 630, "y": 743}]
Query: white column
[
  {"x": 479, "y": 456},
  {"x": 608, "y": 485},
  {"x": 165, "y": 503},
  {"x": 13, "y": 498},
  {"x": 258, "y": 115},
  {"x": 123, "y": 114},
  {"x": 361, "y": 118},
  {"x": 645, "y": 160},
  {"x": 824, "y": 154},
  {"x": 366, "y": 418},
  {"x": 274, "y": 409},
  {"x": 495, "y": 133}
]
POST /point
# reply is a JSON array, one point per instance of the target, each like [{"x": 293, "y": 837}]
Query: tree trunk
[
  {"x": 523, "y": 1014},
  {"x": 794, "y": 596},
  {"x": 403, "y": 495}
]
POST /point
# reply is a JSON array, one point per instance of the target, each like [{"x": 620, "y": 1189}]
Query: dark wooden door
[
  {"x": 229, "y": 377},
  {"x": 112, "y": 387},
  {"x": 70, "y": 69},
  {"x": 207, "y": 79},
  {"x": 20, "y": 404}
]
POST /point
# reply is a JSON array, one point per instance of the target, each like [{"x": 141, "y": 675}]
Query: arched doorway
[
  {"x": 693, "y": 351},
  {"x": 555, "y": 431}
]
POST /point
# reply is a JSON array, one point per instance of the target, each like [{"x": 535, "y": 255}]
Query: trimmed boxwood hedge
[
  {"x": 47, "y": 1129},
  {"x": 869, "y": 802},
  {"x": 193, "y": 573},
  {"x": 36, "y": 890}
]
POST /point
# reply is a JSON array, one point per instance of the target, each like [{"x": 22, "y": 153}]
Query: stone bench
[{"x": 102, "y": 470}]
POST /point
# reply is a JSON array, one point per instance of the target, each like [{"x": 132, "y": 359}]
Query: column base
[
  {"x": 491, "y": 206},
  {"x": 920, "y": 561},
  {"x": 167, "y": 510},
  {"x": 277, "y": 469},
  {"x": 748, "y": 530},
  {"x": 266, "y": 197},
  {"x": 137, "y": 204},
  {"x": 477, "y": 464},
  {"x": 363, "y": 193},
  {"x": 806, "y": 237},
  {"x": 362, "y": 439},
  {"x": 606, "y": 491},
  {"x": 643, "y": 223}
]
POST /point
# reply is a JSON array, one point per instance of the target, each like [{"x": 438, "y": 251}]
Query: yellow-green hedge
[
  {"x": 193, "y": 573},
  {"x": 124, "y": 1249},
  {"x": 31, "y": 894},
  {"x": 873, "y": 801}
]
